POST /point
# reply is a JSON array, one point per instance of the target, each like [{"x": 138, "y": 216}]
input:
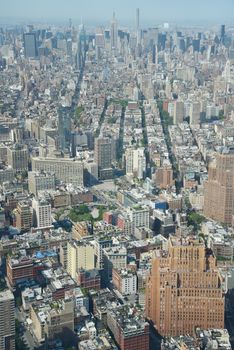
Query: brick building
[
  {"x": 184, "y": 289},
  {"x": 129, "y": 328}
]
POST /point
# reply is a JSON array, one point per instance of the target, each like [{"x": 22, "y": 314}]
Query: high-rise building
[
  {"x": 23, "y": 216},
  {"x": 7, "y": 320},
  {"x": 64, "y": 127},
  {"x": 69, "y": 50},
  {"x": 219, "y": 189},
  {"x": 100, "y": 244},
  {"x": 65, "y": 169},
  {"x": 135, "y": 162},
  {"x": 17, "y": 157},
  {"x": 164, "y": 176},
  {"x": 99, "y": 42},
  {"x": 139, "y": 216},
  {"x": 178, "y": 112},
  {"x": 114, "y": 257},
  {"x": 138, "y": 32},
  {"x": 90, "y": 173},
  {"x": 78, "y": 139},
  {"x": 184, "y": 289},
  {"x": 81, "y": 47},
  {"x": 196, "y": 45},
  {"x": 99, "y": 38},
  {"x": 79, "y": 255},
  {"x": 42, "y": 213},
  {"x": 114, "y": 33},
  {"x": 195, "y": 112},
  {"x": 40, "y": 181},
  {"x": 222, "y": 33},
  {"x": 6, "y": 174},
  {"x": 103, "y": 156},
  {"x": 30, "y": 45},
  {"x": 137, "y": 19}
]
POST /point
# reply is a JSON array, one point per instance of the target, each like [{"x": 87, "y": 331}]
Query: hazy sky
[{"x": 98, "y": 10}]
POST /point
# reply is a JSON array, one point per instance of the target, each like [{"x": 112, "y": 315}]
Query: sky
[{"x": 101, "y": 10}]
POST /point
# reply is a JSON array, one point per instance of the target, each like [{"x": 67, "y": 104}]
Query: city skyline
[{"x": 91, "y": 11}]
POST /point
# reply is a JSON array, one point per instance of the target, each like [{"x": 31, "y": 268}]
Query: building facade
[
  {"x": 42, "y": 213},
  {"x": 7, "y": 320},
  {"x": 23, "y": 216},
  {"x": 125, "y": 281},
  {"x": 139, "y": 216},
  {"x": 135, "y": 162},
  {"x": 130, "y": 330},
  {"x": 178, "y": 112},
  {"x": 103, "y": 156},
  {"x": 184, "y": 289},
  {"x": 17, "y": 157},
  {"x": 40, "y": 181},
  {"x": 79, "y": 255},
  {"x": 53, "y": 320},
  {"x": 219, "y": 189},
  {"x": 66, "y": 170},
  {"x": 164, "y": 177},
  {"x": 30, "y": 45}
]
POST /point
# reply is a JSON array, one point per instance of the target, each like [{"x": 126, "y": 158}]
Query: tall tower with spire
[
  {"x": 81, "y": 46},
  {"x": 137, "y": 19},
  {"x": 138, "y": 31},
  {"x": 114, "y": 33}
]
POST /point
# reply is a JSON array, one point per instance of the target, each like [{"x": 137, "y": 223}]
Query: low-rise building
[
  {"x": 125, "y": 281},
  {"x": 53, "y": 320},
  {"x": 129, "y": 328}
]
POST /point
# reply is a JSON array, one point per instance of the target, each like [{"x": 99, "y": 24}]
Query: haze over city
[{"x": 209, "y": 11}]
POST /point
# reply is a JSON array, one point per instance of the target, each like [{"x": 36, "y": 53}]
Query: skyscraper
[
  {"x": 219, "y": 189},
  {"x": 114, "y": 33},
  {"x": 184, "y": 289},
  {"x": 137, "y": 19},
  {"x": 99, "y": 42},
  {"x": 7, "y": 320},
  {"x": 222, "y": 33},
  {"x": 30, "y": 45},
  {"x": 64, "y": 127},
  {"x": 81, "y": 47},
  {"x": 103, "y": 156},
  {"x": 138, "y": 34},
  {"x": 69, "y": 50}
]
